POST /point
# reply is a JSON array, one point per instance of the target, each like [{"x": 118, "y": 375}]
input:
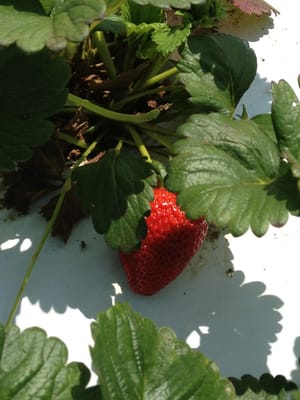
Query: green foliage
[
  {"x": 182, "y": 4},
  {"x": 230, "y": 171},
  {"x": 133, "y": 359},
  {"x": 286, "y": 119},
  {"x": 116, "y": 193},
  {"x": 51, "y": 25},
  {"x": 217, "y": 70},
  {"x": 151, "y": 363},
  {"x": 238, "y": 173},
  {"x": 33, "y": 87},
  {"x": 34, "y": 367},
  {"x": 168, "y": 39}
]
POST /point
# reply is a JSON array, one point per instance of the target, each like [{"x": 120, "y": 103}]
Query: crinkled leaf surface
[
  {"x": 52, "y": 24},
  {"x": 230, "y": 171},
  {"x": 47, "y": 5},
  {"x": 183, "y": 4},
  {"x": 286, "y": 120},
  {"x": 286, "y": 117},
  {"x": 34, "y": 367},
  {"x": 255, "y": 7},
  {"x": 116, "y": 193},
  {"x": 168, "y": 39},
  {"x": 136, "y": 360},
  {"x": 216, "y": 70},
  {"x": 33, "y": 89}
]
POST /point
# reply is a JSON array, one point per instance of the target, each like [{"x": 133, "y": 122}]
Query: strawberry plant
[
  {"x": 133, "y": 360},
  {"x": 107, "y": 102}
]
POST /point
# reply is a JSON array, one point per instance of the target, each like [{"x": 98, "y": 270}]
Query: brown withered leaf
[
  {"x": 70, "y": 213},
  {"x": 32, "y": 180},
  {"x": 23, "y": 189},
  {"x": 255, "y": 7}
]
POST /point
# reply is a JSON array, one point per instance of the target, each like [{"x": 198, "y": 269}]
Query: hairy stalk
[
  {"x": 103, "y": 52},
  {"x": 139, "y": 143},
  {"x": 66, "y": 187},
  {"x": 109, "y": 114}
]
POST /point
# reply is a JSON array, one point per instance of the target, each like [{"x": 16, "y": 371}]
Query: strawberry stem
[
  {"x": 66, "y": 187},
  {"x": 70, "y": 139},
  {"x": 106, "y": 113},
  {"x": 103, "y": 52},
  {"x": 139, "y": 143}
]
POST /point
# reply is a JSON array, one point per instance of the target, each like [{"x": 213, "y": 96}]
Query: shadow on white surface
[
  {"x": 229, "y": 320},
  {"x": 296, "y": 372}
]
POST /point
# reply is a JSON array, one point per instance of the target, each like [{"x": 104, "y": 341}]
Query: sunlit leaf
[
  {"x": 135, "y": 360},
  {"x": 35, "y": 367},
  {"x": 230, "y": 172},
  {"x": 216, "y": 70},
  {"x": 52, "y": 25},
  {"x": 183, "y": 4}
]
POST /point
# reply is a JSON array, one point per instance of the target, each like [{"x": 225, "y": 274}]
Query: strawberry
[{"x": 171, "y": 241}]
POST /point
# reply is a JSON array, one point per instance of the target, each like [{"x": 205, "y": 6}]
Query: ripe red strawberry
[{"x": 171, "y": 241}]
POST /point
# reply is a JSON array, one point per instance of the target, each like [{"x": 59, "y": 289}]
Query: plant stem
[
  {"x": 139, "y": 143},
  {"x": 116, "y": 116},
  {"x": 148, "y": 92},
  {"x": 66, "y": 187},
  {"x": 162, "y": 76},
  {"x": 72, "y": 140},
  {"x": 159, "y": 129},
  {"x": 157, "y": 137},
  {"x": 103, "y": 52}
]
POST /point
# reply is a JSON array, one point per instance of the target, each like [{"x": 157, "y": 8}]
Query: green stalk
[
  {"x": 71, "y": 140},
  {"x": 66, "y": 187},
  {"x": 139, "y": 143},
  {"x": 159, "y": 129},
  {"x": 160, "y": 77},
  {"x": 157, "y": 137},
  {"x": 116, "y": 116},
  {"x": 145, "y": 93},
  {"x": 103, "y": 52}
]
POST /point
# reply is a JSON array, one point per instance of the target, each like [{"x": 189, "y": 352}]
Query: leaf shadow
[
  {"x": 230, "y": 320},
  {"x": 212, "y": 307},
  {"x": 296, "y": 372}
]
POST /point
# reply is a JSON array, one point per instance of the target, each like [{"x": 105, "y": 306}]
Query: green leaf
[
  {"x": 168, "y": 39},
  {"x": 217, "y": 69},
  {"x": 286, "y": 117},
  {"x": 264, "y": 121},
  {"x": 47, "y": 5},
  {"x": 230, "y": 172},
  {"x": 34, "y": 367},
  {"x": 136, "y": 360},
  {"x": 126, "y": 232},
  {"x": 286, "y": 120},
  {"x": 31, "y": 30},
  {"x": 33, "y": 87},
  {"x": 182, "y": 4},
  {"x": 115, "y": 191},
  {"x": 141, "y": 14}
]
